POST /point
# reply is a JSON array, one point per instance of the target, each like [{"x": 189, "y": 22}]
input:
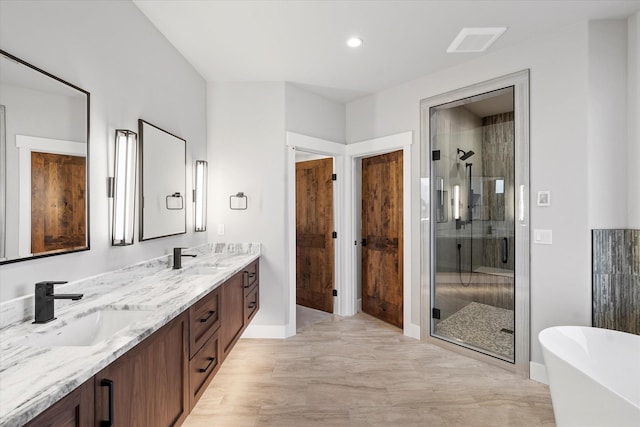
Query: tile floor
[
  {"x": 306, "y": 317},
  {"x": 482, "y": 326},
  {"x": 358, "y": 371}
]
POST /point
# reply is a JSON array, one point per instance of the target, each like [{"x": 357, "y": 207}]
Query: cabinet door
[
  {"x": 203, "y": 367},
  {"x": 74, "y": 410},
  {"x": 147, "y": 386},
  {"x": 204, "y": 320},
  {"x": 232, "y": 311},
  {"x": 251, "y": 303}
]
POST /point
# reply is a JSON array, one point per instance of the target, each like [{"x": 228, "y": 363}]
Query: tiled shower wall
[{"x": 616, "y": 279}]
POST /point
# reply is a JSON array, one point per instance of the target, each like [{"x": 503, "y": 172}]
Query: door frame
[
  {"x": 520, "y": 82},
  {"x": 345, "y": 157}
]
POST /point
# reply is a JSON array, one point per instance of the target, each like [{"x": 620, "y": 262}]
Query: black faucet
[
  {"x": 44, "y": 297},
  {"x": 177, "y": 258}
]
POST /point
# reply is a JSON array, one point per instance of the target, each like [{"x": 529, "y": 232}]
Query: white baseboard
[
  {"x": 265, "y": 331},
  {"x": 412, "y": 330},
  {"x": 538, "y": 372}
]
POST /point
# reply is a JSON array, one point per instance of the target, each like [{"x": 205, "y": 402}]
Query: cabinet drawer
[
  {"x": 251, "y": 302},
  {"x": 204, "y": 319},
  {"x": 250, "y": 275},
  {"x": 203, "y": 367}
]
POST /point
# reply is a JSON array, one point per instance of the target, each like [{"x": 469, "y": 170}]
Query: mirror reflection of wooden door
[
  {"x": 58, "y": 188},
  {"x": 382, "y": 255},
  {"x": 314, "y": 240}
]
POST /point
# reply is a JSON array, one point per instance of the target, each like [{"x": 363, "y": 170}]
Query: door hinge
[
  {"x": 435, "y": 155},
  {"x": 335, "y": 292},
  {"x": 364, "y": 242},
  {"x": 334, "y": 177},
  {"x": 435, "y": 313},
  {"x": 334, "y": 234}
]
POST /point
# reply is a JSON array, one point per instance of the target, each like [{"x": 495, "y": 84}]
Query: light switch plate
[
  {"x": 220, "y": 229},
  {"x": 543, "y": 237}
]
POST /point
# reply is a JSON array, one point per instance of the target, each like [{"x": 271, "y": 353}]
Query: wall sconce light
[
  {"x": 200, "y": 195},
  {"x": 122, "y": 187},
  {"x": 238, "y": 201},
  {"x": 456, "y": 202}
]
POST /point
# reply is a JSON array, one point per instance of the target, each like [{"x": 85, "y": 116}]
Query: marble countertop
[{"x": 34, "y": 378}]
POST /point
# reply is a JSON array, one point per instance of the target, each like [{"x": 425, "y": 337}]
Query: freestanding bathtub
[{"x": 594, "y": 376}]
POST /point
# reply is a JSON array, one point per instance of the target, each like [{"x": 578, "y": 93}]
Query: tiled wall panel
[{"x": 616, "y": 279}]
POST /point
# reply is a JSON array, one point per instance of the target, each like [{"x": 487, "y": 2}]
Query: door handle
[
  {"x": 211, "y": 313},
  {"x": 505, "y": 250},
  {"x": 251, "y": 304},
  {"x": 108, "y": 383},
  {"x": 206, "y": 368}
]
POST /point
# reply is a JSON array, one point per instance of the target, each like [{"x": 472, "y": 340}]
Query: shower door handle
[{"x": 505, "y": 250}]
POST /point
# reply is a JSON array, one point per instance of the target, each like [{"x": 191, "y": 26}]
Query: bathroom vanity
[{"x": 154, "y": 370}]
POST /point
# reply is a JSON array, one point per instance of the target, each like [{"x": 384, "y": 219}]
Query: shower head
[{"x": 465, "y": 154}]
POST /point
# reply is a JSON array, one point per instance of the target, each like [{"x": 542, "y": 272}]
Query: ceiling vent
[{"x": 473, "y": 40}]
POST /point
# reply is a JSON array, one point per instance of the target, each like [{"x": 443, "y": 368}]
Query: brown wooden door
[
  {"x": 58, "y": 188},
  {"x": 314, "y": 228},
  {"x": 382, "y": 261},
  {"x": 150, "y": 382}
]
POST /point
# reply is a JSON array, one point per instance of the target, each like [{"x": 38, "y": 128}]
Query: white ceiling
[{"x": 303, "y": 42}]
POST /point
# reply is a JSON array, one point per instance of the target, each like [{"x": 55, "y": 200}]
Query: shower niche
[{"x": 475, "y": 251}]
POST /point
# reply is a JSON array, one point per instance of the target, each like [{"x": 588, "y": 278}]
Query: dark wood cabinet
[
  {"x": 160, "y": 380},
  {"x": 251, "y": 291},
  {"x": 204, "y": 348},
  {"x": 202, "y": 368},
  {"x": 147, "y": 386},
  {"x": 204, "y": 320},
  {"x": 251, "y": 302},
  {"x": 74, "y": 410}
]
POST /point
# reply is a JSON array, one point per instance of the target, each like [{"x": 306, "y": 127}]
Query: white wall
[
  {"x": 560, "y": 276},
  {"x": 247, "y": 153},
  {"x": 633, "y": 122},
  {"x": 607, "y": 124},
  {"x": 82, "y": 43},
  {"x": 312, "y": 115}
]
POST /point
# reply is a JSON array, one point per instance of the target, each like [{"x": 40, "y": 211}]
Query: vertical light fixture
[
  {"x": 200, "y": 195},
  {"x": 456, "y": 202},
  {"x": 123, "y": 187}
]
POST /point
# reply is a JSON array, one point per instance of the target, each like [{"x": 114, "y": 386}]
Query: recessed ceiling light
[
  {"x": 354, "y": 42},
  {"x": 471, "y": 40}
]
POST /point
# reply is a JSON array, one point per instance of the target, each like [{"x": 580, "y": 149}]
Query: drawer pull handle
[
  {"x": 211, "y": 313},
  {"x": 252, "y": 275},
  {"x": 245, "y": 278},
  {"x": 108, "y": 383},
  {"x": 252, "y": 304},
  {"x": 211, "y": 362}
]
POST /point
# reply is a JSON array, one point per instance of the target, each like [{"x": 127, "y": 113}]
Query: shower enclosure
[{"x": 475, "y": 224}]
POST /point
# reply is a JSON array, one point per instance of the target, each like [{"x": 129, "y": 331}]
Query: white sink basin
[
  {"x": 204, "y": 269},
  {"x": 87, "y": 330}
]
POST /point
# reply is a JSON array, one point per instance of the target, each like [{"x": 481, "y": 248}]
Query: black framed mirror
[
  {"x": 163, "y": 198},
  {"x": 44, "y": 164}
]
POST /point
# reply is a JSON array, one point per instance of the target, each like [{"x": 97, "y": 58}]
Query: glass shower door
[{"x": 473, "y": 227}]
